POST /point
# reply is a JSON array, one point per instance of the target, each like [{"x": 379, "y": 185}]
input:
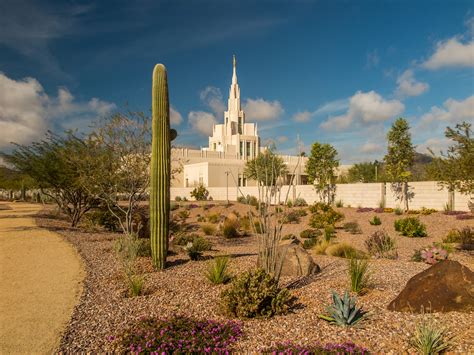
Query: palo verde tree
[
  {"x": 321, "y": 169},
  {"x": 363, "y": 172},
  {"x": 266, "y": 168},
  {"x": 52, "y": 165},
  {"x": 455, "y": 168},
  {"x": 399, "y": 160}
]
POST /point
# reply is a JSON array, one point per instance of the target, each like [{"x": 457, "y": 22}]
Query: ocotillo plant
[{"x": 160, "y": 168}]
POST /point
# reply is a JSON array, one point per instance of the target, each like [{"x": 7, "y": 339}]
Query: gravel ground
[{"x": 104, "y": 308}]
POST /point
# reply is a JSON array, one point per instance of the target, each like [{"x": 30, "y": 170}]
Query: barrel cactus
[{"x": 160, "y": 167}]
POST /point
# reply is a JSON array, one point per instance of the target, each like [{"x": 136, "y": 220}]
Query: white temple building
[{"x": 231, "y": 145}]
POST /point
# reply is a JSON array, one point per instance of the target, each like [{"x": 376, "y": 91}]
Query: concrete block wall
[{"x": 427, "y": 194}]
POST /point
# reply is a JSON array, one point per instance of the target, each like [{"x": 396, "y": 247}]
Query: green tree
[
  {"x": 52, "y": 164},
  {"x": 267, "y": 168},
  {"x": 362, "y": 172},
  {"x": 321, "y": 169},
  {"x": 399, "y": 160},
  {"x": 455, "y": 168}
]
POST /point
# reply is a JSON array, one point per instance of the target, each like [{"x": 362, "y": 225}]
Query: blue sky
[{"x": 331, "y": 71}]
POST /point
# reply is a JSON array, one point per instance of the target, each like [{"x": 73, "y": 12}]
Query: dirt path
[{"x": 40, "y": 282}]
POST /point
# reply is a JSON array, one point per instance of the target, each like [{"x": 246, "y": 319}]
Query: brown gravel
[{"x": 104, "y": 308}]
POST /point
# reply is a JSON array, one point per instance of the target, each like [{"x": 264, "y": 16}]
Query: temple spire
[{"x": 234, "y": 75}]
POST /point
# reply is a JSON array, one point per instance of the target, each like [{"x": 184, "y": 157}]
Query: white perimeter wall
[{"x": 427, "y": 194}]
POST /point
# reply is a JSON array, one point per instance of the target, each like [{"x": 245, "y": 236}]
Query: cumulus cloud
[
  {"x": 303, "y": 116},
  {"x": 451, "y": 53},
  {"x": 372, "y": 60},
  {"x": 175, "y": 116},
  {"x": 327, "y": 108},
  {"x": 453, "y": 111},
  {"x": 212, "y": 97},
  {"x": 436, "y": 145},
  {"x": 202, "y": 122},
  {"x": 261, "y": 110},
  {"x": 370, "y": 147},
  {"x": 366, "y": 108},
  {"x": 26, "y": 111},
  {"x": 409, "y": 86}
]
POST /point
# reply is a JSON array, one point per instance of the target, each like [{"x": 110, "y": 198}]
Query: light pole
[{"x": 227, "y": 185}]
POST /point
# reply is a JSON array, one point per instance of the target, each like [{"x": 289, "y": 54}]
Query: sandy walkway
[{"x": 40, "y": 282}]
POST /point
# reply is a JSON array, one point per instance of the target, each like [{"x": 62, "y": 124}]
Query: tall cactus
[{"x": 160, "y": 168}]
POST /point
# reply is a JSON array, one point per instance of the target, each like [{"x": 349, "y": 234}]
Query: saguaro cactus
[{"x": 160, "y": 168}]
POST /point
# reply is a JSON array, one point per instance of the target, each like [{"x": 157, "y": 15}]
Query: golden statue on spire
[{"x": 234, "y": 61}]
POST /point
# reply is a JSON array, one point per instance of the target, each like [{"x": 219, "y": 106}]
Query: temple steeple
[{"x": 234, "y": 75}]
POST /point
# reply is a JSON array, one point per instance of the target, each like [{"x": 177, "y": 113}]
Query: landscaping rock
[
  {"x": 444, "y": 287},
  {"x": 296, "y": 260}
]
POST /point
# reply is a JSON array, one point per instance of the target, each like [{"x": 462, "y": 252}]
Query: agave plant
[{"x": 343, "y": 311}]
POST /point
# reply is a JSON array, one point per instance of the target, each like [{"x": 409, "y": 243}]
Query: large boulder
[
  {"x": 296, "y": 260},
  {"x": 444, "y": 287}
]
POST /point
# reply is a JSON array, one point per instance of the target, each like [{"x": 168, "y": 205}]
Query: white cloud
[
  {"x": 453, "y": 111},
  {"x": 436, "y": 145},
  {"x": 261, "y": 110},
  {"x": 282, "y": 139},
  {"x": 303, "y": 116},
  {"x": 370, "y": 147},
  {"x": 175, "y": 116},
  {"x": 212, "y": 97},
  {"x": 366, "y": 108},
  {"x": 26, "y": 111},
  {"x": 373, "y": 59},
  {"x": 409, "y": 86},
  {"x": 451, "y": 53},
  {"x": 202, "y": 122}
]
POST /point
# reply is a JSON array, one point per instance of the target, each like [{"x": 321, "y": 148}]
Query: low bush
[
  {"x": 135, "y": 284},
  {"x": 343, "y": 250},
  {"x": 201, "y": 219},
  {"x": 208, "y": 229},
  {"x": 381, "y": 245},
  {"x": 324, "y": 215},
  {"x": 398, "y": 211},
  {"x": 376, "y": 221},
  {"x": 174, "y": 206},
  {"x": 258, "y": 227},
  {"x": 177, "y": 198},
  {"x": 255, "y": 294},
  {"x": 104, "y": 218},
  {"x": 301, "y": 212},
  {"x": 327, "y": 349},
  {"x": 329, "y": 233},
  {"x": 339, "y": 203},
  {"x": 200, "y": 193},
  {"x": 183, "y": 215},
  {"x": 453, "y": 236},
  {"x": 196, "y": 247},
  {"x": 427, "y": 211},
  {"x": 321, "y": 246},
  {"x": 433, "y": 255},
  {"x": 416, "y": 255},
  {"x": 177, "y": 335},
  {"x": 289, "y": 204},
  {"x": 410, "y": 227},
  {"x": 291, "y": 217},
  {"x": 184, "y": 238},
  {"x": 300, "y": 202},
  {"x": 144, "y": 248},
  {"x": 429, "y": 338},
  {"x": 216, "y": 272},
  {"x": 364, "y": 209},
  {"x": 359, "y": 275},
  {"x": 309, "y": 243},
  {"x": 245, "y": 223},
  {"x": 288, "y": 236},
  {"x": 466, "y": 238},
  {"x": 310, "y": 233},
  {"x": 343, "y": 311},
  {"x": 230, "y": 229},
  {"x": 213, "y": 218},
  {"x": 248, "y": 200},
  {"x": 352, "y": 227}
]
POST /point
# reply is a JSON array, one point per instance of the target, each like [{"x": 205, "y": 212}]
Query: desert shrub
[
  {"x": 173, "y": 335},
  {"x": 196, "y": 247},
  {"x": 208, "y": 229},
  {"x": 381, "y": 245},
  {"x": 429, "y": 338},
  {"x": 301, "y": 212},
  {"x": 278, "y": 209},
  {"x": 376, "y": 221},
  {"x": 453, "y": 236},
  {"x": 364, "y": 209},
  {"x": 433, "y": 255},
  {"x": 398, "y": 211},
  {"x": 410, "y": 227},
  {"x": 245, "y": 223},
  {"x": 359, "y": 275},
  {"x": 200, "y": 193},
  {"x": 310, "y": 233},
  {"x": 413, "y": 212},
  {"x": 427, "y": 211},
  {"x": 255, "y": 294},
  {"x": 144, "y": 248},
  {"x": 258, "y": 227},
  {"x": 252, "y": 201},
  {"x": 184, "y": 238},
  {"x": 216, "y": 271},
  {"x": 201, "y": 219},
  {"x": 343, "y": 250},
  {"x": 184, "y": 198},
  {"x": 321, "y": 246},
  {"x": 352, "y": 227},
  {"x": 324, "y": 215},
  {"x": 300, "y": 202},
  {"x": 416, "y": 255},
  {"x": 291, "y": 217},
  {"x": 104, "y": 218},
  {"x": 213, "y": 218},
  {"x": 174, "y": 206},
  {"x": 288, "y": 236},
  {"x": 177, "y": 198},
  {"x": 343, "y": 311},
  {"x": 230, "y": 229},
  {"x": 183, "y": 215},
  {"x": 339, "y": 203},
  {"x": 466, "y": 238},
  {"x": 329, "y": 233},
  {"x": 310, "y": 243},
  {"x": 136, "y": 283},
  {"x": 289, "y": 204},
  {"x": 241, "y": 199},
  {"x": 326, "y": 349}
]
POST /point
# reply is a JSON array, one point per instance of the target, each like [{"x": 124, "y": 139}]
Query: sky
[{"x": 332, "y": 71}]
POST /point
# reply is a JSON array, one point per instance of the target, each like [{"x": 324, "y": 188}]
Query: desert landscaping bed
[{"x": 105, "y": 310}]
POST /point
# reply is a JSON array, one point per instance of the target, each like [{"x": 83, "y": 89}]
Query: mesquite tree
[
  {"x": 321, "y": 169},
  {"x": 399, "y": 160}
]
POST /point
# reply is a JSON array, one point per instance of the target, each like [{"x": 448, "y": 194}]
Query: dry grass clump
[{"x": 344, "y": 250}]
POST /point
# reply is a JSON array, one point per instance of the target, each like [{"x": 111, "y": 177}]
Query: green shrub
[
  {"x": 352, "y": 227},
  {"x": 259, "y": 227},
  {"x": 104, "y": 218},
  {"x": 177, "y": 198},
  {"x": 339, "y": 203},
  {"x": 196, "y": 247},
  {"x": 289, "y": 203},
  {"x": 359, "y": 275},
  {"x": 398, "y": 211},
  {"x": 183, "y": 238},
  {"x": 174, "y": 206},
  {"x": 466, "y": 236},
  {"x": 208, "y": 229},
  {"x": 201, "y": 219},
  {"x": 310, "y": 233},
  {"x": 416, "y": 255},
  {"x": 343, "y": 250},
  {"x": 310, "y": 243},
  {"x": 329, "y": 233},
  {"x": 255, "y": 294},
  {"x": 200, "y": 193},
  {"x": 135, "y": 284},
  {"x": 324, "y": 215},
  {"x": 245, "y": 223},
  {"x": 376, "y": 221},
  {"x": 343, "y": 311},
  {"x": 291, "y": 217},
  {"x": 213, "y": 218},
  {"x": 321, "y": 247},
  {"x": 410, "y": 227},
  {"x": 230, "y": 229},
  {"x": 288, "y": 236},
  {"x": 300, "y": 202},
  {"x": 381, "y": 245},
  {"x": 453, "y": 236},
  {"x": 216, "y": 272},
  {"x": 430, "y": 339},
  {"x": 301, "y": 212},
  {"x": 144, "y": 248},
  {"x": 183, "y": 215}
]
